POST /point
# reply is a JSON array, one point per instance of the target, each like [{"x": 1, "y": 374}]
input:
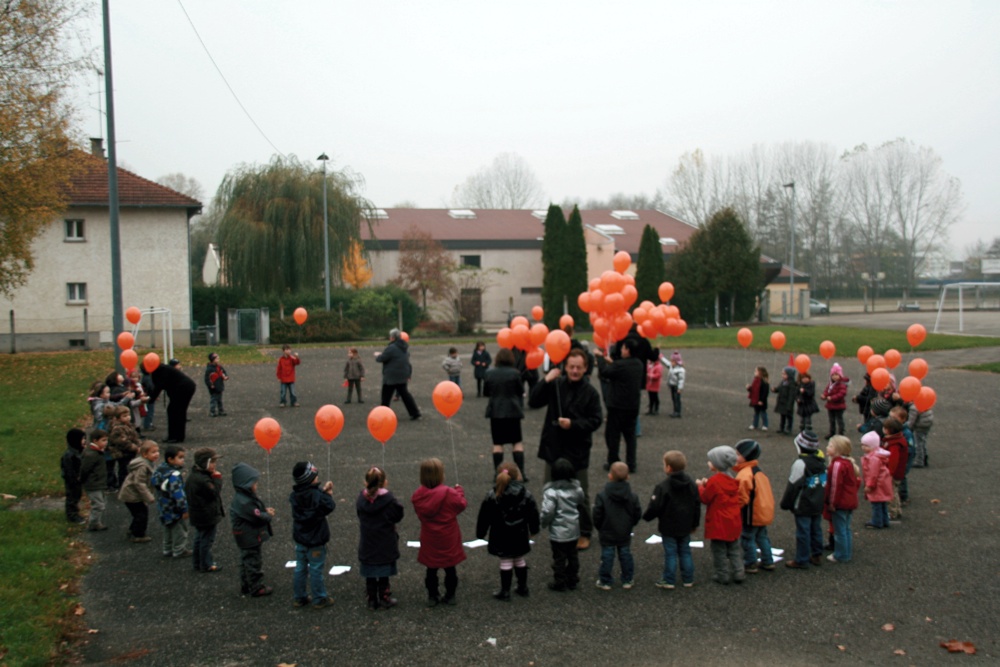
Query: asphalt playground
[{"x": 933, "y": 577}]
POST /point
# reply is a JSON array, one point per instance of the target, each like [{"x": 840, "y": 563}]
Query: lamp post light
[
  {"x": 791, "y": 254},
  {"x": 326, "y": 237}
]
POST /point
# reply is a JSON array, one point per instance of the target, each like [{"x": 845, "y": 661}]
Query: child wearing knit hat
[
  {"x": 756, "y": 507},
  {"x": 835, "y": 396},
  {"x": 803, "y": 497},
  {"x": 877, "y": 479},
  {"x": 784, "y": 405},
  {"x": 311, "y": 532},
  {"x": 722, "y": 515}
]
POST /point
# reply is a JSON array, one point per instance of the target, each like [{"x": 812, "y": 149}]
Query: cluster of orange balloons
[
  {"x": 910, "y": 388},
  {"x": 530, "y": 338},
  {"x": 609, "y": 298},
  {"x": 126, "y": 341}
]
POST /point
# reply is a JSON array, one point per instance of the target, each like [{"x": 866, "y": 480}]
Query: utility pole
[{"x": 791, "y": 254}]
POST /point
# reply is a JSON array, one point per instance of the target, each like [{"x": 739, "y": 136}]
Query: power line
[{"x": 224, "y": 80}]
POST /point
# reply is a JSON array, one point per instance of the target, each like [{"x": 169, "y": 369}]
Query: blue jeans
[
  {"x": 289, "y": 389},
  {"x": 753, "y": 537},
  {"x": 215, "y": 403},
  {"x": 808, "y": 537},
  {"x": 202, "y": 548},
  {"x": 675, "y": 548},
  {"x": 843, "y": 545},
  {"x": 880, "y": 515},
  {"x": 759, "y": 414},
  {"x": 608, "y": 562},
  {"x": 457, "y": 379},
  {"x": 147, "y": 421},
  {"x": 313, "y": 558}
]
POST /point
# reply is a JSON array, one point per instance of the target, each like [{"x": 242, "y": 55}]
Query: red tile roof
[{"x": 89, "y": 187}]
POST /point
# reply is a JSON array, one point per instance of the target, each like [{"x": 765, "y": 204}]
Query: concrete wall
[{"x": 154, "y": 250}]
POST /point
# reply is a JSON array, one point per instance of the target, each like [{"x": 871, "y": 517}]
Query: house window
[
  {"x": 74, "y": 231},
  {"x": 76, "y": 292},
  {"x": 77, "y": 342},
  {"x": 531, "y": 290},
  {"x": 472, "y": 260}
]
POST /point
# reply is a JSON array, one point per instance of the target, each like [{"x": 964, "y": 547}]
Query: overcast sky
[{"x": 598, "y": 97}]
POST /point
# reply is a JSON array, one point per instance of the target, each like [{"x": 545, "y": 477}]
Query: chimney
[{"x": 97, "y": 146}]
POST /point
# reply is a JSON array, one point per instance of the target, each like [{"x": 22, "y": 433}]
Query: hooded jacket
[
  {"x": 878, "y": 480},
  {"x": 755, "y": 494},
  {"x": 70, "y": 466},
  {"x": 310, "y": 507},
  {"x": 561, "y": 503},
  {"x": 835, "y": 393},
  {"x": 136, "y": 488},
  {"x": 440, "y": 537},
  {"x": 805, "y": 489},
  {"x": 93, "y": 471},
  {"x": 616, "y": 511},
  {"x": 676, "y": 505},
  {"x": 654, "y": 376},
  {"x": 626, "y": 378},
  {"x": 722, "y": 514},
  {"x": 841, "y": 485},
  {"x": 898, "y": 453},
  {"x": 168, "y": 480},
  {"x": 123, "y": 439},
  {"x": 579, "y": 402},
  {"x": 757, "y": 393},
  {"x": 378, "y": 516},
  {"x": 247, "y": 513},
  {"x": 286, "y": 368},
  {"x": 204, "y": 494},
  {"x": 784, "y": 403},
  {"x": 395, "y": 360},
  {"x": 509, "y": 520},
  {"x": 806, "y": 398}
]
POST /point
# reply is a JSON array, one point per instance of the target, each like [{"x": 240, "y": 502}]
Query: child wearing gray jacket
[{"x": 562, "y": 499}]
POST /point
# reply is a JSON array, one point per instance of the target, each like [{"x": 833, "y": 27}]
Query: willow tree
[{"x": 271, "y": 230}]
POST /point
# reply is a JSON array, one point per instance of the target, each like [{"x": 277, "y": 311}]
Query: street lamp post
[
  {"x": 791, "y": 254},
  {"x": 326, "y": 237}
]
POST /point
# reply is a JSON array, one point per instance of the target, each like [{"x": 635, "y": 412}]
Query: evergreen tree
[
  {"x": 553, "y": 266},
  {"x": 650, "y": 271},
  {"x": 574, "y": 275}
]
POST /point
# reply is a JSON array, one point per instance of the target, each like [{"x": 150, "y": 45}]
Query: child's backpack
[{"x": 760, "y": 508}]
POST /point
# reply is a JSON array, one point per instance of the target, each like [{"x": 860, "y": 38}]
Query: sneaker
[
  {"x": 768, "y": 567},
  {"x": 78, "y": 520},
  {"x": 97, "y": 527},
  {"x": 432, "y": 601},
  {"x": 816, "y": 560},
  {"x": 832, "y": 559},
  {"x": 263, "y": 591},
  {"x": 281, "y": 405},
  {"x": 627, "y": 585},
  {"x": 688, "y": 584},
  {"x": 763, "y": 428},
  {"x": 603, "y": 586},
  {"x": 666, "y": 585},
  {"x": 298, "y": 603},
  {"x": 321, "y": 603},
  {"x": 752, "y": 428},
  {"x": 871, "y": 525},
  {"x": 447, "y": 599},
  {"x": 295, "y": 404},
  {"x": 184, "y": 554},
  {"x": 751, "y": 569}
]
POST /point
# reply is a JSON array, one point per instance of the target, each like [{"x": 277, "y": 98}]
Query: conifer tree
[
  {"x": 574, "y": 274},
  {"x": 553, "y": 264},
  {"x": 650, "y": 270}
]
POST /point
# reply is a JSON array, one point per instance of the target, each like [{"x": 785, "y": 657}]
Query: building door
[{"x": 470, "y": 309}]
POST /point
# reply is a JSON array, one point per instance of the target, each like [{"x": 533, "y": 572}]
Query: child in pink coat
[
  {"x": 878, "y": 480},
  {"x": 438, "y": 506},
  {"x": 654, "y": 376},
  {"x": 835, "y": 396}
]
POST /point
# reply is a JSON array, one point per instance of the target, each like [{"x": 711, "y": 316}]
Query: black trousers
[
  {"x": 565, "y": 564},
  {"x": 177, "y": 412},
  {"x": 621, "y": 423},
  {"x": 404, "y": 394},
  {"x": 73, "y": 494},
  {"x": 251, "y": 570},
  {"x": 140, "y": 518}
]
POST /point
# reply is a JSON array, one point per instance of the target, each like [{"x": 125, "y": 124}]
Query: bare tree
[
  {"x": 424, "y": 265},
  {"x": 867, "y": 206},
  {"x": 507, "y": 183},
  {"x": 186, "y": 185},
  {"x": 696, "y": 188}
]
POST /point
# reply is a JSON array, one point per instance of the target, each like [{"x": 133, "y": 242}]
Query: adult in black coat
[
  {"x": 396, "y": 371},
  {"x": 625, "y": 378},
  {"x": 505, "y": 410},
  {"x": 180, "y": 389}
]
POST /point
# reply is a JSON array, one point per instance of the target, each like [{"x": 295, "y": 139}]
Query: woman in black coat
[
  {"x": 505, "y": 410},
  {"x": 481, "y": 360},
  {"x": 180, "y": 389}
]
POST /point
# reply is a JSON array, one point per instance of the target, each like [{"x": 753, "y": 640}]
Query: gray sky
[{"x": 597, "y": 97}]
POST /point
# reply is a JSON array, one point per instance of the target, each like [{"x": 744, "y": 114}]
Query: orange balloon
[
  {"x": 557, "y": 345},
  {"x": 129, "y": 359},
  {"x": 505, "y": 338},
  {"x": 126, "y": 341},
  {"x": 629, "y": 279},
  {"x": 669, "y": 327},
  {"x": 622, "y": 261},
  {"x": 672, "y": 311},
  {"x": 864, "y": 352},
  {"x": 405, "y": 336},
  {"x": 267, "y": 432},
  {"x": 880, "y": 379},
  {"x": 382, "y": 423},
  {"x": 665, "y": 291},
  {"x": 925, "y": 399},
  {"x": 918, "y": 368},
  {"x": 521, "y": 335},
  {"x": 602, "y": 326},
  {"x": 744, "y": 336},
  {"x": 133, "y": 315},
  {"x": 777, "y": 340},
  {"x": 537, "y": 313},
  {"x": 892, "y": 358},
  {"x": 300, "y": 315},
  {"x": 534, "y": 358},
  {"x": 802, "y": 363},
  {"x": 875, "y": 361},
  {"x": 597, "y": 301},
  {"x": 600, "y": 341},
  {"x": 612, "y": 282},
  {"x": 584, "y": 302},
  {"x": 447, "y": 398},
  {"x": 538, "y": 334},
  {"x": 909, "y": 387},
  {"x": 565, "y": 322},
  {"x": 614, "y": 303},
  {"x": 520, "y": 319},
  {"x": 631, "y": 295},
  {"x": 640, "y": 314},
  {"x": 647, "y": 306},
  {"x": 827, "y": 349},
  {"x": 658, "y": 318},
  {"x": 151, "y": 362},
  {"x": 915, "y": 334},
  {"x": 593, "y": 284},
  {"x": 682, "y": 327},
  {"x": 329, "y": 422}
]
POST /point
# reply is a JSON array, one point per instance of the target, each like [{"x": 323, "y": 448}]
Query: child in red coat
[
  {"x": 654, "y": 377},
  {"x": 438, "y": 506},
  {"x": 720, "y": 493},
  {"x": 835, "y": 396},
  {"x": 841, "y": 496},
  {"x": 894, "y": 440}
]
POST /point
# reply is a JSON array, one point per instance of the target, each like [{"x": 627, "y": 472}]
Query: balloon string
[
  {"x": 558, "y": 398},
  {"x": 268, "y": 459},
  {"x": 383, "y": 456},
  {"x": 328, "y": 447},
  {"x": 454, "y": 457}
]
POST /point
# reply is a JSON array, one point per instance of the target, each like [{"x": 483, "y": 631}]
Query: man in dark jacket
[
  {"x": 626, "y": 378},
  {"x": 310, "y": 532},
  {"x": 396, "y": 371},
  {"x": 573, "y": 413},
  {"x": 180, "y": 389}
]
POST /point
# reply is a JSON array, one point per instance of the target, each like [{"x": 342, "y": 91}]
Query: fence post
[
  {"x": 86, "y": 330},
  {"x": 13, "y": 347}
]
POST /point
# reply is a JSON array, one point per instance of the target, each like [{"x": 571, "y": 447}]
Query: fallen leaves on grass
[
  {"x": 888, "y": 627},
  {"x": 935, "y": 501},
  {"x": 841, "y": 647},
  {"x": 899, "y": 651},
  {"x": 263, "y": 638},
  {"x": 955, "y": 646},
  {"x": 79, "y": 611},
  {"x": 92, "y": 631}
]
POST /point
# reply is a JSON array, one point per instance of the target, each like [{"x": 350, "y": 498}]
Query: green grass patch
[
  {"x": 985, "y": 368},
  {"x": 37, "y": 574}
]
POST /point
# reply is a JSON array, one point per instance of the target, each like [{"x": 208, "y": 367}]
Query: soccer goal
[
  {"x": 166, "y": 321},
  {"x": 983, "y": 295}
]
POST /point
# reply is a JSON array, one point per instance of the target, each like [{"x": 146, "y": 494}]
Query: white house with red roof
[{"x": 66, "y": 301}]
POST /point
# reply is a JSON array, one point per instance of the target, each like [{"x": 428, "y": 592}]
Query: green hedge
[{"x": 321, "y": 327}]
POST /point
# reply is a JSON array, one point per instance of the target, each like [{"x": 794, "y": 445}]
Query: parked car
[{"x": 818, "y": 308}]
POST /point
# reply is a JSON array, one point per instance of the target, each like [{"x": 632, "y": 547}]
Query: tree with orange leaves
[{"x": 356, "y": 271}]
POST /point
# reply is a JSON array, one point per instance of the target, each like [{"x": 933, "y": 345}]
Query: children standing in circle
[
  {"x": 878, "y": 479},
  {"x": 510, "y": 517},
  {"x": 480, "y": 364},
  {"x": 757, "y": 392},
  {"x": 835, "y": 396},
  {"x": 204, "y": 492},
  {"x": 438, "y": 506},
  {"x": 564, "y": 504},
  {"x": 378, "y": 550},
  {"x": 136, "y": 492},
  {"x": 841, "y": 496}
]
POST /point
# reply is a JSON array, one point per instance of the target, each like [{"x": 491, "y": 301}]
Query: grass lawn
[
  {"x": 986, "y": 368},
  {"x": 44, "y": 394}
]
